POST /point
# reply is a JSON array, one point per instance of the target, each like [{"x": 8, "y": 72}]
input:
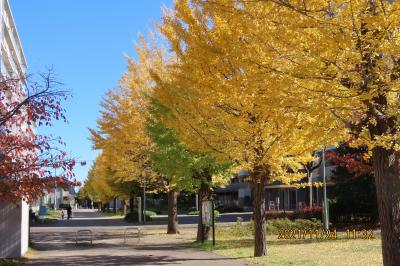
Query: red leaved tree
[
  {"x": 354, "y": 160},
  {"x": 27, "y": 159}
]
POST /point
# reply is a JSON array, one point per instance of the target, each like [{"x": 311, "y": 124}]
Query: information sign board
[
  {"x": 206, "y": 212},
  {"x": 42, "y": 211}
]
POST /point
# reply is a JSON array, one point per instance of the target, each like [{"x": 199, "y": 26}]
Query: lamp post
[
  {"x": 144, "y": 199},
  {"x": 55, "y": 188},
  {"x": 325, "y": 201},
  {"x": 213, "y": 217}
]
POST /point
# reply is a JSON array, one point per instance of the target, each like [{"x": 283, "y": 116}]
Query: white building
[
  {"x": 14, "y": 220},
  {"x": 57, "y": 198},
  {"x": 11, "y": 55}
]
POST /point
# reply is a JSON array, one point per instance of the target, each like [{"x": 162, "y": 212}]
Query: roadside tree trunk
[
  {"x": 203, "y": 231},
  {"x": 260, "y": 244},
  {"x": 172, "y": 212},
  {"x": 386, "y": 165},
  {"x": 385, "y": 161},
  {"x": 124, "y": 207},
  {"x": 309, "y": 179},
  {"x": 131, "y": 204},
  {"x": 115, "y": 205}
]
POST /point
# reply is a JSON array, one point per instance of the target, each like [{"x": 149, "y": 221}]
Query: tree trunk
[
  {"x": 203, "y": 231},
  {"x": 172, "y": 212},
  {"x": 260, "y": 244},
  {"x": 115, "y": 205},
  {"x": 309, "y": 177},
  {"x": 131, "y": 204},
  {"x": 123, "y": 207},
  {"x": 386, "y": 165}
]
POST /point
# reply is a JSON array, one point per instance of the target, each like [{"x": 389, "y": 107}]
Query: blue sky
[{"x": 85, "y": 42}]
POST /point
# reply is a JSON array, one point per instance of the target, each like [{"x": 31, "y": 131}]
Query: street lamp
[
  {"x": 55, "y": 188},
  {"x": 144, "y": 199},
  {"x": 325, "y": 201}
]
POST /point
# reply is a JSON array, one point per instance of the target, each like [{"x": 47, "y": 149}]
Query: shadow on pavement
[
  {"x": 56, "y": 246},
  {"x": 129, "y": 260}
]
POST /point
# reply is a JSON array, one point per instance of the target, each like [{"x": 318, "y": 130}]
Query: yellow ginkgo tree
[
  {"x": 181, "y": 168},
  {"x": 344, "y": 58},
  {"x": 123, "y": 143},
  {"x": 97, "y": 182},
  {"x": 333, "y": 64},
  {"x": 226, "y": 104}
]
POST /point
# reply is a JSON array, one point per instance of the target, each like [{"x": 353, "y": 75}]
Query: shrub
[
  {"x": 273, "y": 226},
  {"x": 150, "y": 213},
  {"x": 308, "y": 213},
  {"x": 216, "y": 213},
  {"x": 229, "y": 209},
  {"x": 10, "y": 262},
  {"x": 238, "y": 229},
  {"x": 159, "y": 209},
  {"x": 306, "y": 224},
  {"x": 133, "y": 216},
  {"x": 53, "y": 213},
  {"x": 242, "y": 230},
  {"x": 276, "y": 215}
]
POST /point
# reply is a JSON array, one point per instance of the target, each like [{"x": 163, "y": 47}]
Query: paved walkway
[{"x": 55, "y": 245}]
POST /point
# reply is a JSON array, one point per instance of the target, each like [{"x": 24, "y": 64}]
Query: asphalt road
[
  {"x": 88, "y": 218},
  {"x": 223, "y": 218}
]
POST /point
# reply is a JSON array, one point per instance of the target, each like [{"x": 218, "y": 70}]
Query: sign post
[
  {"x": 139, "y": 202},
  {"x": 206, "y": 213},
  {"x": 213, "y": 222},
  {"x": 325, "y": 204}
]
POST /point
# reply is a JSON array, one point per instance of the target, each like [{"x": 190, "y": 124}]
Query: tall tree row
[
  {"x": 311, "y": 71},
  {"x": 137, "y": 146},
  {"x": 229, "y": 107},
  {"x": 264, "y": 84}
]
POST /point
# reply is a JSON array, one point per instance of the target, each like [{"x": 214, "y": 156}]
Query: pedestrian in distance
[
  {"x": 69, "y": 212},
  {"x": 62, "y": 214}
]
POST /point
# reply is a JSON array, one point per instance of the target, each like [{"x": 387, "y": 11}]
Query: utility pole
[
  {"x": 325, "y": 202},
  {"x": 55, "y": 188},
  {"x": 213, "y": 219},
  {"x": 144, "y": 199},
  {"x": 197, "y": 202},
  {"x": 140, "y": 212}
]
